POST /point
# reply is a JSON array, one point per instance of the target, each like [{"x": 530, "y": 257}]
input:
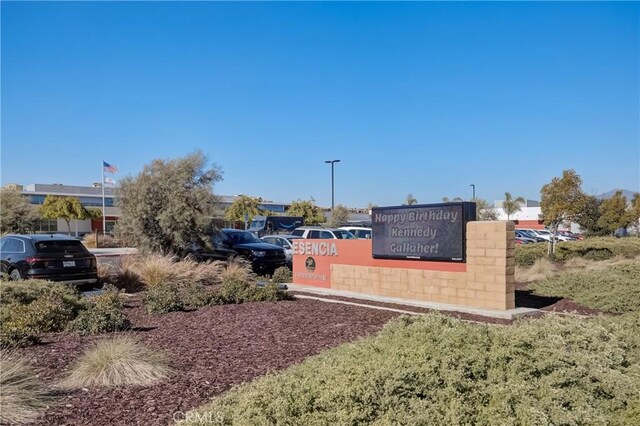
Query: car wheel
[{"x": 14, "y": 275}]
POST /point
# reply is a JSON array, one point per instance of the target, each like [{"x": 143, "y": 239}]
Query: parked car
[
  {"x": 316, "y": 232},
  {"x": 51, "y": 257},
  {"x": 568, "y": 234},
  {"x": 527, "y": 233},
  {"x": 227, "y": 243},
  {"x": 284, "y": 241},
  {"x": 359, "y": 232},
  {"x": 547, "y": 235}
]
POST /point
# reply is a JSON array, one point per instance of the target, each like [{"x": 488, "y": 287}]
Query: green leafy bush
[
  {"x": 438, "y": 370},
  {"x": 25, "y": 292},
  {"x": 195, "y": 295},
  {"x": 104, "y": 314},
  {"x": 269, "y": 293},
  {"x": 26, "y": 311},
  {"x": 527, "y": 254},
  {"x": 282, "y": 275},
  {"x": 234, "y": 290},
  {"x": 163, "y": 298},
  {"x": 615, "y": 288}
]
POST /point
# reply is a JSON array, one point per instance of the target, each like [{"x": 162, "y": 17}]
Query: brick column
[{"x": 491, "y": 263}]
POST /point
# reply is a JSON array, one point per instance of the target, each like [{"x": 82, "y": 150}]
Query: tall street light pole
[
  {"x": 474, "y": 192},
  {"x": 332, "y": 191}
]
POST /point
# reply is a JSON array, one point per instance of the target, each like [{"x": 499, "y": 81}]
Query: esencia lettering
[{"x": 311, "y": 248}]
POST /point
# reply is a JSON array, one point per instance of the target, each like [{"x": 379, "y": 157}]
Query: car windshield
[
  {"x": 543, "y": 232},
  {"x": 341, "y": 234},
  {"x": 243, "y": 237},
  {"x": 257, "y": 224},
  {"x": 60, "y": 246}
]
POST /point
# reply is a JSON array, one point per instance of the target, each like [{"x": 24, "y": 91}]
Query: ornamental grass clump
[
  {"x": 542, "y": 268},
  {"x": 118, "y": 361},
  {"x": 22, "y": 396},
  {"x": 438, "y": 370}
]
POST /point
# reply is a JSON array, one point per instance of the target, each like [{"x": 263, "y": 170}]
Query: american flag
[{"x": 109, "y": 167}]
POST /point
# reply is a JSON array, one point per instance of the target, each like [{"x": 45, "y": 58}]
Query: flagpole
[{"x": 104, "y": 218}]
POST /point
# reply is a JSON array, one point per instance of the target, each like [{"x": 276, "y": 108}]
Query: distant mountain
[{"x": 625, "y": 192}]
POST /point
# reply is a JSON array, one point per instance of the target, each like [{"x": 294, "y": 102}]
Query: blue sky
[{"x": 421, "y": 98}]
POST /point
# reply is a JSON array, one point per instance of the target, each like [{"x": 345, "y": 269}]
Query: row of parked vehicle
[
  {"x": 64, "y": 258},
  {"x": 528, "y": 236}
]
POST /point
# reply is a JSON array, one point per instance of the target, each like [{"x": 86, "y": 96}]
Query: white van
[{"x": 359, "y": 232}]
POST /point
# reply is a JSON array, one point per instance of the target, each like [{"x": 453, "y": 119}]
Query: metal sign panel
[{"x": 421, "y": 232}]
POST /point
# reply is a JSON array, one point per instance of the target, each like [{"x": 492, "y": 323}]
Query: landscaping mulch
[{"x": 211, "y": 349}]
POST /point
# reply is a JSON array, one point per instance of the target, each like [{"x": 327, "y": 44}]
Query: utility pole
[{"x": 332, "y": 162}]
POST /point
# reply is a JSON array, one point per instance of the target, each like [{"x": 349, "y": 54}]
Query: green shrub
[
  {"x": 104, "y": 314},
  {"x": 269, "y": 293},
  {"x": 614, "y": 288},
  {"x": 437, "y": 370},
  {"x": 26, "y": 291},
  {"x": 163, "y": 298},
  {"x": 282, "y": 275},
  {"x": 23, "y": 323},
  {"x": 235, "y": 290},
  {"x": 195, "y": 295},
  {"x": 527, "y": 254}
]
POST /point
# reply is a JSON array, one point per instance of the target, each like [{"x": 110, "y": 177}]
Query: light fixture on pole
[
  {"x": 474, "y": 192},
  {"x": 332, "y": 186}
]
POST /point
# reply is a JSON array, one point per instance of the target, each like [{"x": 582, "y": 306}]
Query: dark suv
[
  {"x": 233, "y": 242},
  {"x": 48, "y": 257}
]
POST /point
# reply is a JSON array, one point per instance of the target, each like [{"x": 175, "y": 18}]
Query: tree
[
  {"x": 512, "y": 205},
  {"x": 67, "y": 208},
  {"x": 241, "y": 206},
  {"x": 613, "y": 213},
  {"x": 452, "y": 200},
  {"x": 634, "y": 212},
  {"x": 169, "y": 205},
  {"x": 308, "y": 210},
  {"x": 17, "y": 215},
  {"x": 589, "y": 216},
  {"x": 339, "y": 216},
  {"x": 484, "y": 211},
  {"x": 561, "y": 201},
  {"x": 410, "y": 200}
]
